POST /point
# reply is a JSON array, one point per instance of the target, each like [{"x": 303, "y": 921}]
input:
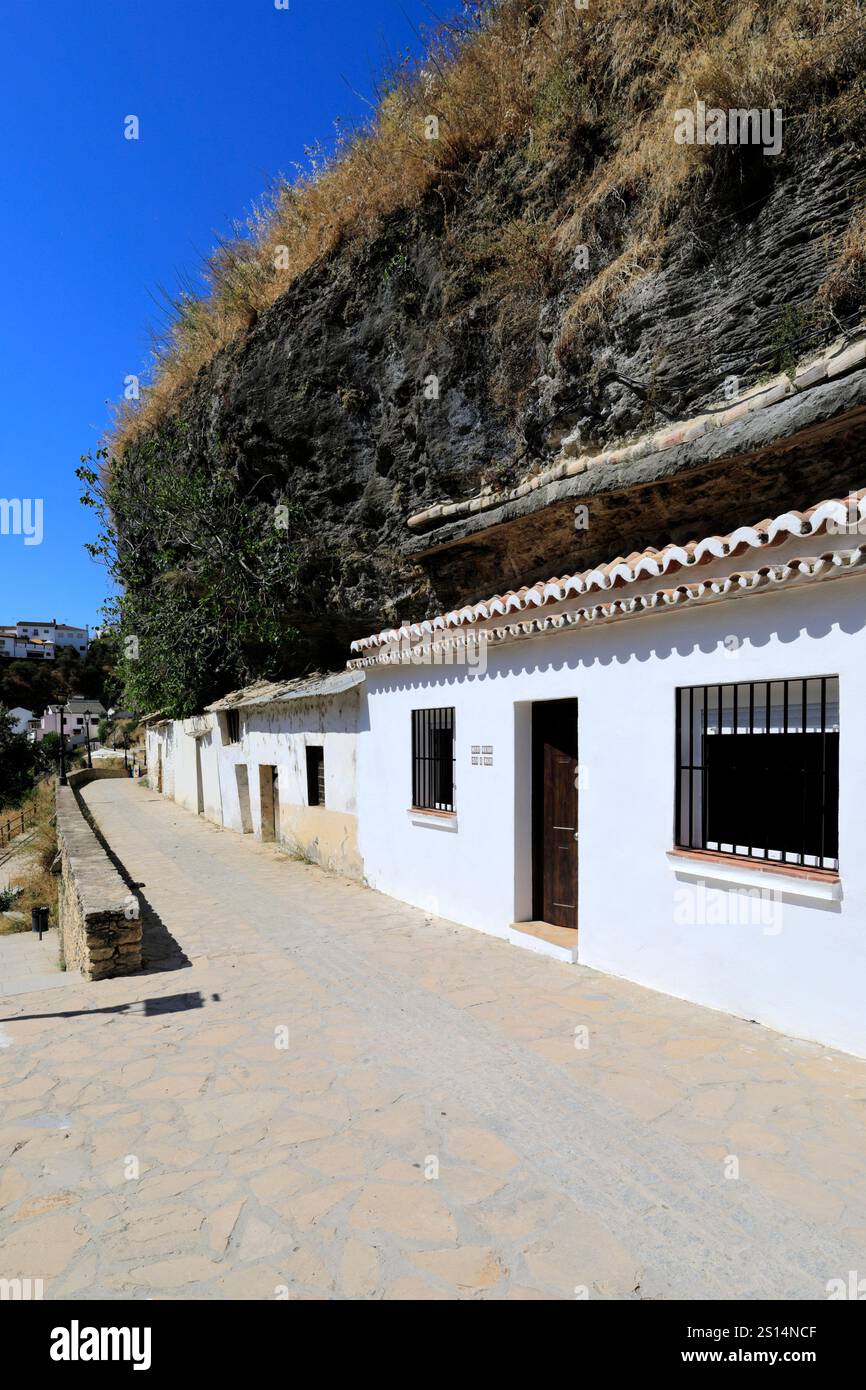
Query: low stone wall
[
  {"x": 100, "y": 930},
  {"x": 84, "y": 775}
]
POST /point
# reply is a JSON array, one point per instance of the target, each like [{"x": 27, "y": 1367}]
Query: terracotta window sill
[
  {"x": 443, "y": 820},
  {"x": 739, "y": 870}
]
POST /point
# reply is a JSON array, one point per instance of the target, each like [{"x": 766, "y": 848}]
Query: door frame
[
  {"x": 199, "y": 780},
  {"x": 242, "y": 781},
  {"x": 537, "y": 805},
  {"x": 268, "y": 803}
]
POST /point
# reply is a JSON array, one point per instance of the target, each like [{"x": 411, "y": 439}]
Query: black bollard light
[{"x": 39, "y": 920}]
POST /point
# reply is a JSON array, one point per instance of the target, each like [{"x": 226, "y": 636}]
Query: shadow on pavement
[{"x": 147, "y": 1008}]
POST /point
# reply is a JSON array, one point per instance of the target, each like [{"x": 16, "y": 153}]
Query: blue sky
[{"x": 228, "y": 93}]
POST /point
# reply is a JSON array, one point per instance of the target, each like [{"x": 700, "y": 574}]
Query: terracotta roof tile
[{"x": 667, "y": 561}]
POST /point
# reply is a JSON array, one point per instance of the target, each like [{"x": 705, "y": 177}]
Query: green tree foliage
[
  {"x": 104, "y": 729},
  {"x": 20, "y": 763},
  {"x": 48, "y": 754},
  {"x": 49, "y": 750},
  {"x": 207, "y": 571},
  {"x": 35, "y": 684}
]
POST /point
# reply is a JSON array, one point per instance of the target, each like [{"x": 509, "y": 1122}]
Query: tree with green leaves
[
  {"x": 20, "y": 763},
  {"x": 49, "y": 752},
  {"x": 207, "y": 572}
]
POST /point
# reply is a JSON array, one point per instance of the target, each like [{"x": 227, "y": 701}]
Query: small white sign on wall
[{"x": 482, "y": 755}]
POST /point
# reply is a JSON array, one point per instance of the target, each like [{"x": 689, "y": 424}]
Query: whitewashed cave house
[
  {"x": 274, "y": 761},
  {"x": 653, "y": 767}
]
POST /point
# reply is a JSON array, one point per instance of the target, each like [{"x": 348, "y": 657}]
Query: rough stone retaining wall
[{"x": 99, "y": 934}]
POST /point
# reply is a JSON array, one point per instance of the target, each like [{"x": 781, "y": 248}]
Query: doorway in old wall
[
  {"x": 269, "y": 802},
  {"x": 242, "y": 778},
  {"x": 199, "y": 782},
  {"x": 555, "y": 813}
]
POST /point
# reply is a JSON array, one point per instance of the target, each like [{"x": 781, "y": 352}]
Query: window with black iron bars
[{"x": 758, "y": 770}]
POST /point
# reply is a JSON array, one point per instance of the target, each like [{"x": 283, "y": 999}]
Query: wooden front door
[
  {"x": 268, "y": 797},
  {"x": 554, "y": 812}
]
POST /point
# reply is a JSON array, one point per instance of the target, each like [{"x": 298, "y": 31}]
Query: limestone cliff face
[{"x": 451, "y": 355}]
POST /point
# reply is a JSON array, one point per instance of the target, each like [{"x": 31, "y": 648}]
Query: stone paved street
[
  {"x": 26, "y": 963},
  {"x": 430, "y": 1131}
]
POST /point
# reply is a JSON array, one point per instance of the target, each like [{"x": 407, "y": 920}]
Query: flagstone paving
[
  {"x": 317, "y": 1091},
  {"x": 28, "y": 964}
]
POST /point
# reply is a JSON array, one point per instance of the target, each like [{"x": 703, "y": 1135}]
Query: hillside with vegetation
[
  {"x": 417, "y": 318},
  {"x": 36, "y": 684}
]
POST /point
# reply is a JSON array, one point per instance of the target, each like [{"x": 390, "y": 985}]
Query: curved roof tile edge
[
  {"x": 828, "y": 565},
  {"x": 648, "y": 564},
  {"x": 844, "y": 355}
]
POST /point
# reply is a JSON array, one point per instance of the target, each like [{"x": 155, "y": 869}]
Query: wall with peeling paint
[{"x": 208, "y": 775}]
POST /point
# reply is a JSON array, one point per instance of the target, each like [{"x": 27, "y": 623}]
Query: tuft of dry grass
[
  {"x": 533, "y": 75},
  {"x": 585, "y": 315},
  {"x": 844, "y": 289}
]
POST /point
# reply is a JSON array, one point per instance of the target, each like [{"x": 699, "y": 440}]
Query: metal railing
[{"x": 16, "y": 826}]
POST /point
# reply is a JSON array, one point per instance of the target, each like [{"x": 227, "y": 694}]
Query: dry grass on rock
[{"x": 538, "y": 76}]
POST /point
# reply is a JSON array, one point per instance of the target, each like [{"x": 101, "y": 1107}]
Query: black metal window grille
[
  {"x": 315, "y": 776},
  {"x": 233, "y": 726},
  {"x": 758, "y": 770},
  {"x": 433, "y": 759}
]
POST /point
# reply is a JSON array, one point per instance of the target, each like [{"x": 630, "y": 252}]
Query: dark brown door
[{"x": 554, "y": 812}]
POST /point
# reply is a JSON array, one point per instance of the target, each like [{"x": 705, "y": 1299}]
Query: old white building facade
[
  {"x": 81, "y": 719},
  {"x": 652, "y": 767},
  {"x": 276, "y": 761}
]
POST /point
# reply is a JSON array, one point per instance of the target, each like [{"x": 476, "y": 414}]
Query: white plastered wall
[{"x": 802, "y": 970}]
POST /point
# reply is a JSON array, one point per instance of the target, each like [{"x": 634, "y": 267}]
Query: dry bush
[
  {"x": 844, "y": 289},
  {"x": 533, "y": 74},
  {"x": 586, "y": 314}
]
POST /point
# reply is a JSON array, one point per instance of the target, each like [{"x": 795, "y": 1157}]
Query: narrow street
[{"x": 316, "y": 1091}]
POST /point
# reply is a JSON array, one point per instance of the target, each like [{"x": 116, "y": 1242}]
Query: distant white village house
[
  {"x": 80, "y": 718},
  {"x": 40, "y": 640},
  {"x": 21, "y": 719}
]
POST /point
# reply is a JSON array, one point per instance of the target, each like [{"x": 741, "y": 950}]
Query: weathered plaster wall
[
  {"x": 329, "y": 838},
  {"x": 159, "y": 749},
  {"x": 211, "y": 790},
  {"x": 185, "y": 770},
  {"x": 271, "y": 736}
]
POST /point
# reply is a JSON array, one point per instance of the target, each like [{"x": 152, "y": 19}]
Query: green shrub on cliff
[{"x": 207, "y": 572}]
